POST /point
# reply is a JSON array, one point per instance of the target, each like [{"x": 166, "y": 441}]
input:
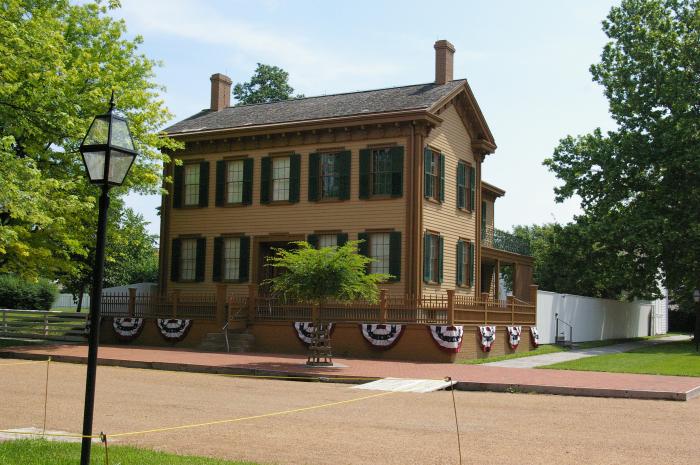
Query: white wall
[
  {"x": 596, "y": 319},
  {"x": 66, "y": 300}
]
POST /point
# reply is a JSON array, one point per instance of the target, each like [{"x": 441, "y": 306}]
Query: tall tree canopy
[
  {"x": 60, "y": 61},
  {"x": 268, "y": 84},
  {"x": 640, "y": 184}
]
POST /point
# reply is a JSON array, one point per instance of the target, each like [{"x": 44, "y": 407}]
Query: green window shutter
[
  {"x": 341, "y": 239},
  {"x": 201, "y": 259},
  {"x": 204, "y": 184},
  {"x": 244, "y": 259},
  {"x": 312, "y": 239},
  {"x": 217, "y": 262},
  {"x": 220, "y": 183},
  {"x": 265, "y": 179},
  {"x": 472, "y": 188},
  {"x": 461, "y": 185},
  {"x": 345, "y": 165},
  {"x": 396, "y": 171},
  {"x": 177, "y": 186},
  {"x": 441, "y": 246},
  {"x": 471, "y": 264},
  {"x": 428, "y": 177},
  {"x": 460, "y": 261},
  {"x": 314, "y": 176},
  {"x": 175, "y": 260},
  {"x": 294, "y": 177},
  {"x": 395, "y": 256},
  {"x": 427, "y": 251},
  {"x": 365, "y": 155},
  {"x": 442, "y": 178},
  {"x": 247, "y": 197}
]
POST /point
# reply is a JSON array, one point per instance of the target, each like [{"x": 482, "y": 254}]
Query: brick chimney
[
  {"x": 444, "y": 61},
  {"x": 220, "y": 91}
]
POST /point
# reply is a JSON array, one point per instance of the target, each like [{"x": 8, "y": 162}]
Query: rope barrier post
[
  {"x": 454, "y": 407},
  {"x": 103, "y": 438},
  {"x": 46, "y": 394}
]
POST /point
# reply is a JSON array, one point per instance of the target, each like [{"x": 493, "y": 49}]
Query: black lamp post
[
  {"x": 696, "y": 336},
  {"x": 108, "y": 153}
]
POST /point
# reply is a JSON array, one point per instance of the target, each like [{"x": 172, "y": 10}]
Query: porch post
[
  {"x": 383, "y": 310},
  {"x": 131, "y": 306},
  {"x": 176, "y": 301},
  {"x": 450, "y": 307},
  {"x": 252, "y": 301},
  {"x": 533, "y": 301},
  {"x": 221, "y": 316}
]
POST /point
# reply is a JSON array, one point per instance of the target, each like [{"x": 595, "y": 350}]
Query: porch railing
[{"x": 501, "y": 240}]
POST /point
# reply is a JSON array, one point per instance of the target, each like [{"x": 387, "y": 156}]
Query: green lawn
[
  {"x": 543, "y": 349},
  {"x": 672, "y": 358},
  {"x": 41, "y": 452}
]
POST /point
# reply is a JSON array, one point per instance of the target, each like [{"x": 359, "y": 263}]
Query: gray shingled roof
[{"x": 415, "y": 97}]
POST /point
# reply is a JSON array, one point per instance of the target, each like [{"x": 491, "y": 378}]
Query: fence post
[
  {"x": 131, "y": 306},
  {"x": 533, "y": 302},
  {"x": 252, "y": 301},
  {"x": 450, "y": 307},
  {"x": 46, "y": 324},
  {"x": 176, "y": 301},
  {"x": 383, "y": 310},
  {"x": 221, "y": 316},
  {"x": 510, "y": 302},
  {"x": 485, "y": 303}
]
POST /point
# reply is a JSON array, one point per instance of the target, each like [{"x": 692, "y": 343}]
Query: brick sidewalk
[{"x": 470, "y": 377}]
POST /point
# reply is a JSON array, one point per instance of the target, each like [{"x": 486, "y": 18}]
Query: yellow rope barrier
[{"x": 253, "y": 417}]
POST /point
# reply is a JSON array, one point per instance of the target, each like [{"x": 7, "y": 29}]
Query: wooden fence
[
  {"x": 445, "y": 309},
  {"x": 42, "y": 324}
]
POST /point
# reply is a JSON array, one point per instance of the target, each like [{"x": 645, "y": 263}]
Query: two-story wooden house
[{"x": 400, "y": 168}]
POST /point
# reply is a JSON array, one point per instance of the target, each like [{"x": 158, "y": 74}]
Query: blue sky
[{"x": 526, "y": 62}]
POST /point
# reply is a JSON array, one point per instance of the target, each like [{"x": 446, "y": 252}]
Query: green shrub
[{"x": 20, "y": 294}]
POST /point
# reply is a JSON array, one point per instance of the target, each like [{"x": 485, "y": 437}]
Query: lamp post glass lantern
[{"x": 108, "y": 153}]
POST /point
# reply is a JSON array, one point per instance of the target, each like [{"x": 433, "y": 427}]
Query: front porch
[{"x": 504, "y": 255}]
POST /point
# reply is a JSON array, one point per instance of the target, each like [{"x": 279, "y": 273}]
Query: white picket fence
[{"x": 67, "y": 300}]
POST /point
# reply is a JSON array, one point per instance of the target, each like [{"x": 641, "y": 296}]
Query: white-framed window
[
  {"x": 380, "y": 251},
  {"x": 381, "y": 172},
  {"x": 280, "y": 178},
  {"x": 188, "y": 259},
  {"x": 327, "y": 240},
  {"x": 234, "y": 181},
  {"x": 191, "y": 184},
  {"x": 232, "y": 258},
  {"x": 330, "y": 186}
]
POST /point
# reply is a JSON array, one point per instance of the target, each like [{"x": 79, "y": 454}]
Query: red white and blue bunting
[
  {"x": 382, "y": 336},
  {"x": 535, "y": 336},
  {"x": 127, "y": 329},
  {"x": 514, "y": 333},
  {"x": 488, "y": 335},
  {"x": 305, "y": 330},
  {"x": 448, "y": 338},
  {"x": 173, "y": 330}
]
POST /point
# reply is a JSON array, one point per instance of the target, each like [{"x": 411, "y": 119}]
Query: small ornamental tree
[{"x": 329, "y": 273}]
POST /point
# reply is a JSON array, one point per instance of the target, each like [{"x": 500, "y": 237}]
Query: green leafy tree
[
  {"x": 268, "y": 84},
  {"x": 329, "y": 273},
  {"x": 640, "y": 184},
  {"x": 60, "y": 62}
]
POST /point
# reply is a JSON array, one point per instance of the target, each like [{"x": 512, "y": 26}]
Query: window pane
[
  {"x": 327, "y": 240},
  {"x": 188, "y": 259},
  {"x": 435, "y": 266},
  {"x": 381, "y": 172},
  {"x": 280, "y": 178},
  {"x": 234, "y": 181},
  {"x": 232, "y": 258},
  {"x": 191, "y": 184},
  {"x": 435, "y": 170},
  {"x": 329, "y": 176},
  {"x": 379, "y": 249}
]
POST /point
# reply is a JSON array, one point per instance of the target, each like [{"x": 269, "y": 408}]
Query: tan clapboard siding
[
  {"x": 351, "y": 216},
  {"x": 453, "y": 140},
  {"x": 490, "y": 212}
]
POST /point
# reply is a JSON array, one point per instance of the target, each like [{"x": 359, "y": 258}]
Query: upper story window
[
  {"x": 329, "y": 175},
  {"x": 380, "y": 251},
  {"x": 234, "y": 181},
  {"x": 191, "y": 184},
  {"x": 188, "y": 259},
  {"x": 381, "y": 172},
  {"x": 434, "y": 175},
  {"x": 232, "y": 259},
  {"x": 280, "y": 178},
  {"x": 330, "y": 186}
]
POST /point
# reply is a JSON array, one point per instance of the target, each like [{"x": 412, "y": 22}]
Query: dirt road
[{"x": 393, "y": 429}]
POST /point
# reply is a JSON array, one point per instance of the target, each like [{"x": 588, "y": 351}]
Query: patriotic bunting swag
[
  {"x": 448, "y": 338},
  {"x": 514, "y": 336},
  {"x": 127, "y": 329},
  {"x": 535, "y": 336},
  {"x": 488, "y": 335},
  {"x": 173, "y": 330},
  {"x": 381, "y": 336},
  {"x": 305, "y": 330}
]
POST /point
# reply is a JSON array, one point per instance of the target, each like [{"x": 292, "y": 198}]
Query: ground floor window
[
  {"x": 380, "y": 251},
  {"x": 232, "y": 258},
  {"x": 188, "y": 259}
]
